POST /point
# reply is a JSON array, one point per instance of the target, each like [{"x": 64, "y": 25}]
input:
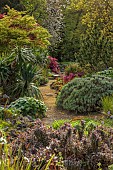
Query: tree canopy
[{"x": 19, "y": 29}]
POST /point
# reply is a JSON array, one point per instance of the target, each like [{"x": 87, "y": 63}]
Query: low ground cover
[{"x": 88, "y": 145}]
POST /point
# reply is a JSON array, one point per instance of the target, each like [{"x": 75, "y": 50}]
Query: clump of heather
[{"x": 76, "y": 147}]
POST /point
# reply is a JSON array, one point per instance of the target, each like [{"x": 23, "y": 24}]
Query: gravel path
[{"x": 53, "y": 113}]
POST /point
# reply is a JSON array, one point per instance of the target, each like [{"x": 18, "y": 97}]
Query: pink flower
[
  {"x": 1, "y": 16},
  {"x": 53, "y": 64},
  {"x": 69, "y": 77}
]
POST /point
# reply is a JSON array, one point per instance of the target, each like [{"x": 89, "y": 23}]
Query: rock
[
  {"x": 49, "y": 94},
  {"x": 56, "y": 75}
]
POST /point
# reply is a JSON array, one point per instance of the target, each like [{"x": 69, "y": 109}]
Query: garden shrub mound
[
  {"x": 77, "y": 147},
  {"x": 29, "y": 106},
  {"x": 107, "y": 73},
  {"x": 76, "y": 69},
  {"x": 84, "y": 94}
]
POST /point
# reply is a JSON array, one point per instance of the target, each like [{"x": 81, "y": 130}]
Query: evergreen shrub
[
  {"x": 84, "y": 94},
  {"x": 107, "y": 73}
]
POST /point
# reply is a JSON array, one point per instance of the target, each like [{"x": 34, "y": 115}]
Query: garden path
[{"x": 53, "y": 113}]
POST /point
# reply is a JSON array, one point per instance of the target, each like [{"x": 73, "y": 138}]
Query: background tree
[
  {"x": 71, "y": 31},
  {"x": 65, "y": 26},
  {"x": 85, "y": 31},
  {"x": 19, "y": 36},
  {"x": 19, "y": 30},
  {"x": 37, "y": 8},
  {"x": 16, "y": 4},
  {"x": 97, "y": 40}
]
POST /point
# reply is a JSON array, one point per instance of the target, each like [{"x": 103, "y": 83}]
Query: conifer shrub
[
  {"x": 108, "y": 72},
  {"x": 84, "y": 94}
]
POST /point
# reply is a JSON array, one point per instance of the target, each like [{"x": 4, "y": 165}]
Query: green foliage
[
  {"x": 95, "y": 48},
  {"x": 19, "y": 35},
  {"x": 18, "y": 29},
  {"x": 12, "y": 3},
  {"x": 96, "y": 41},
  {"x": 3, "y": 72},
  {"x": 7, "y": 113},
  {"x": 100, "y": 121},
  {"x": 107, "y": 73},
  {"x": 57, "y": 84},
  {"x": 10, "y": 162},
  {"x": 110, "y": 167},
  {"x": 85, "y": 32},
  {"x": 107, "y": 105},
  {"x": 73, "y": 68},
  {"x": 21, "y": 70},
  {"x": 90, "y": 123},
  {"x": 25, "y": 85},
  {"x": 21, "y": 56},
  {"x": 58, "y": 123},
  {"x": 4, "y": 124},
  {"x": 84, "y": 94},
  {"x": 108, "y": 122},
  {"x": 19, "y": 81},
  {"x": 29, "y": 106},
  {"x": 70, "y": 33},
  {"x": 42, "y": 80},
  {"x": 37, "y": 8}
]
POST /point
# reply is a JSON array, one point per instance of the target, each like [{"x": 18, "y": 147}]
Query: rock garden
[{"x": 56, "y": 85}]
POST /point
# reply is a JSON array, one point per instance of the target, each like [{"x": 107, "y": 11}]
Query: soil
[{"x": 53, "y": 113}]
